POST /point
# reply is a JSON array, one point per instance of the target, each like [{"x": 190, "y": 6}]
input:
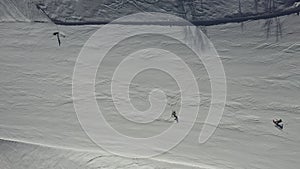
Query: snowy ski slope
[
  {"x": 37, "y": 112},
  {"x": 39, "y": 127}
]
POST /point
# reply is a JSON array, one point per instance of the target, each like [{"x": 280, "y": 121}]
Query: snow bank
[
  {"x": 20, "y": 11},
  {"x": 95, "y": 12}
]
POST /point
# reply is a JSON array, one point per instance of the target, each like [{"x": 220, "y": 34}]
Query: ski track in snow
[{"x": 34, "y": 155}]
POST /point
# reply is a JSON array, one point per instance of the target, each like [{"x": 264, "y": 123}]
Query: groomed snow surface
[{"x": 39, "y": 127}]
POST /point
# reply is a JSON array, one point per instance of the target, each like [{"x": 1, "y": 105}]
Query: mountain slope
[
  {"x": 9, "y": 12},
  {"x": 262, "y": 80},
  {"x": 93, "y": 11}
]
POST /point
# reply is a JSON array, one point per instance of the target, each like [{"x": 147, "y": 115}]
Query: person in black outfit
[
  {"x": 58, "y": 35},
  {"x": 175, "y": 116},
  {"x": 278, "y": 124}
]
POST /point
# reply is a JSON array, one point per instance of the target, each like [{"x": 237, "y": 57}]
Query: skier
[
  {"x": 175, "y": 116},
  {"x": 58, "y": 34},
  {"x": 277, "y": 123}
]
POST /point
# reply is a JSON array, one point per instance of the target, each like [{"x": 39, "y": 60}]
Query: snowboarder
[
  {"x": 278, "y": 124},
  {"x": 58, "y": 34},
  {"x": 175, "y": 116}
]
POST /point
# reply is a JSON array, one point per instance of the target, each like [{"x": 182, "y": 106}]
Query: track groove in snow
[{"x": 83, "y": 158}]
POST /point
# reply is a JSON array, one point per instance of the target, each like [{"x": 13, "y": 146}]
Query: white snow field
[{"x": 39, "y": 127}]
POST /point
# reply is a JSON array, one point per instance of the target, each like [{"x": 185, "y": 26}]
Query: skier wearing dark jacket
[
  {"x": 278, "y": 124},
  {"x": 58, "y": 35},
  {"x": 175, "y": 116}
]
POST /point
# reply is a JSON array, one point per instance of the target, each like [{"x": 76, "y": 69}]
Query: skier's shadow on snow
[
  {"x": 165, "y": 120},
  {"x": 280, "y": 127}
]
